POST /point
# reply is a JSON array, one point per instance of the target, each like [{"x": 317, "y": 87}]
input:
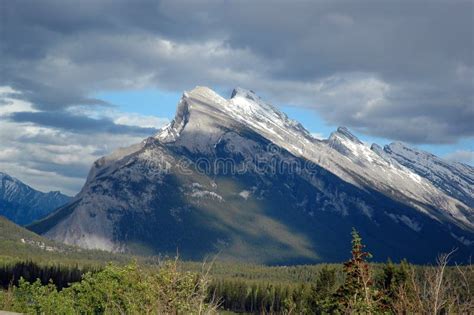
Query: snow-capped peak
[
  {"x": 203, "y": 117},
  {"x": 456, "y": 179},
  {"x": 244, "y": 107},
  {"x": 253, "y": 105},
  {"x": 402, "y": 147},
  {"x": 344, "y": 132},
  {"x": 240, "y": 92},
  {"x": 248, "y": 107}
]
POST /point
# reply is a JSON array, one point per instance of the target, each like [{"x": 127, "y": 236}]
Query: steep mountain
[
  {"x": 455, "y": 179},
  {"x": 237, "y": 177},
  {"x": 23, "y": 204}
]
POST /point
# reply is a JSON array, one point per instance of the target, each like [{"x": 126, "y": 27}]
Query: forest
[{"x": 177, "y": 287}]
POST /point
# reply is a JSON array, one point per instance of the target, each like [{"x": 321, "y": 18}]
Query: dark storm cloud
[
  {"x": 76, "y": 123},
  {"x": 398, "y": 69}
]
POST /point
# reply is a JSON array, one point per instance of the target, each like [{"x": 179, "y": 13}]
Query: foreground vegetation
[
  {"x": 115, "y": 290},
  {"x": 174, "y": 287}
]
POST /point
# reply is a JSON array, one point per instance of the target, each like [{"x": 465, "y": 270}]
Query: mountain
[
  {"x": 236, "y": 177},
  {"x": 23, "y": 204},
  {"x": 455, "y": 179}
]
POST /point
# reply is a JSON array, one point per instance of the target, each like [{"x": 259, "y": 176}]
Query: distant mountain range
[
  {"x": 236, "y": 177},
  {"x": 22, "y": 204}
]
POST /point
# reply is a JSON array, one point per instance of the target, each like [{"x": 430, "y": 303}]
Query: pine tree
[
  {"x": 322, "y": 291},
  {"x": 392, "y": 279},
  {"x": 357, "y": 294}
]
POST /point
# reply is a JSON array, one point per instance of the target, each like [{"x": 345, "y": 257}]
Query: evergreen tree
[
  {"x": 392, "y": 279},
  {"x": 322, "y": 291},
  {"x": 357, "y": 294}
]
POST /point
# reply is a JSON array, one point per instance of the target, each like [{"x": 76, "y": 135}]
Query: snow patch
[
  {"x": 411, "y": 223},
  {"x": 244, "y": 194},
  {"x": 206, "y": 194}
]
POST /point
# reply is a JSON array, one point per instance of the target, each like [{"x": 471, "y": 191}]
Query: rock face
[
  {"x": 22, "y": 204},
  {"x": 455, "y": 179},
  {"x": 238, "y": 178}
]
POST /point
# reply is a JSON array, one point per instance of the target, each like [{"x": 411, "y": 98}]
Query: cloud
[
  {"x": 9, "y": 102},
  {"x": 55, "y": 152},
  {"x": 403, "y": 71},
  {"x": 413, "y": 60},
  {"x": 373, "y": 106},
  {"x": 76, "y": 123},
  {"x": 462, "y": 156}
]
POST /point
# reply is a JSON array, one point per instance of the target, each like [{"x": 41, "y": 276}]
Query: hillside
[{"x": 18, "y": 243}]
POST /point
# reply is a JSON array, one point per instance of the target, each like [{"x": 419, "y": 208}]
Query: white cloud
[
  {"x": 9, "y": 102},
  {"x": 118, "y": 117},
  {"x": 53, "y": 159},
  {"x": 388, "y": 72}
]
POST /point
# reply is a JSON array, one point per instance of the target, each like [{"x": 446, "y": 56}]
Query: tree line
[
  {"x": 354, "y": 287},
  {"x": 359, "y": 287},
  {"x": 59, "y": 274}
]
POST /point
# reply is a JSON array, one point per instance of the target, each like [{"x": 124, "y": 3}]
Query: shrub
[{"x": 116, "y": 290}]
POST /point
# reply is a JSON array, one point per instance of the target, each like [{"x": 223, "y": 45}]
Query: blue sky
[{"x": 147, "y": 102}]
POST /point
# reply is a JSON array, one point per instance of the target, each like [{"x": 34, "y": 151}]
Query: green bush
[{"x": 115, "y": 290}]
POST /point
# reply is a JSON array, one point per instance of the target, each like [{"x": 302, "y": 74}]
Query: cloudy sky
[{"x": 79, "y": 79}]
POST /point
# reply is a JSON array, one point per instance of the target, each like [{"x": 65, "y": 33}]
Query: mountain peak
[
  {"x": 454, "y": 178},
  {"x": 311, "y": 182},
  {"x": 402, "y": 148},
  {"x": 6, "y": 176},
  {"x": 345, "y": 133},
  {"x": 201, "y": 100},
  {"x": 397, "y": 144},
  {"x": 376, "y": 148},
  {"x": 247, "y": 101},
  {"x": 23, "y": 204},
  {"x": 202, "y": 91},
  {"x": 203, "y": 112},
  {"x": 238, "y": 91}
]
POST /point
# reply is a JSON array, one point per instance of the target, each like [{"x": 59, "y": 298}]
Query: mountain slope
[
  {"x": 456, "y": 179},
  {"x": 18, "y": 243},
  {"x": 23, "y": 204},
  {"x": 238, "y": 178}
]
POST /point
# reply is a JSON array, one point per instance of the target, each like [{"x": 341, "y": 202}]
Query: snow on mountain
[
  {"x": 23, "y": 204},
  {"x": 365, "y": 166},
  {"x": 455, "y": 179},
  {"x": 246, "y": 107},
  {"x": 141, "y": 196},
  {"x": 393, "y": 178},
  {"x": 343, "y": 154}
]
